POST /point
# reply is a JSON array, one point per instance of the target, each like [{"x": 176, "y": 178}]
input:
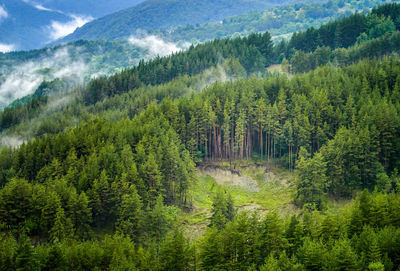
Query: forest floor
[{"x": 253, "y": 188}]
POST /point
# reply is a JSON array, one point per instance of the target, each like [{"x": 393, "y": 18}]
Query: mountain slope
[
  {"x": 279, "y": 21},
  {"x": 111, "y": 183},
  {"x": 250, "y": 54},
  {"x": 30, "y": 24},
  {"x": 22, "y": 72},
  {"x": 164, "y": 14}
]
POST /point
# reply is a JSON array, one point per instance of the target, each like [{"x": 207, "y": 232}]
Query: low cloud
[
  {"x": 11, "y": 141},
  {"x": 60, "y": 29},
  {"x": 40, "y": 7},
  {"x": 24, "y": 79},
  {"x": 157, "y": 46},
  {"x": 3, "y": 13},
  {"x": 5, "y": 48}
]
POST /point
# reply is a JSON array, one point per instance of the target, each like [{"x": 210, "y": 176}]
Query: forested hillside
[
  {"x": 118, "y": 174},
  {"x": 280, "y": 21},
  {"x": 27, "y": 24},
  {"x": 23, "y": 72},
  {"x": 166, "y": 14},
  {"x": 116, "y": 177},
  {"x": 376, "y": 37}
]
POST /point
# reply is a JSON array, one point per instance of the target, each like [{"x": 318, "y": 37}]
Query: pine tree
[
  {"x": 130, "y": 215},
  {"x": 342, "y": 256},
  {"x": 152, "y": 177},
  {"x": 223, "y": 210},
  {"x": 8, "y": 249},
  {"x": 240, "y": 132},
  {"x": 211, "y": 252},
  {"x": 100, "y": 199},
  {"x": 62, "y": 227},
  {"x": 271, "y": 264},
  {"x": 80, "y": 214},
  {"x": 174, "y": 252},
  {"x": 311, "y": 180},
  {"x": 260, "y": 120},
  {"x": 25, "y": 257}
]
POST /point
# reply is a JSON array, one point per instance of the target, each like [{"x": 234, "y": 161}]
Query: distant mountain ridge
[
  {"x": 23, "y": 26},
  {"x": 165, "y": 14},
  {"x": 31, "y": 24}
]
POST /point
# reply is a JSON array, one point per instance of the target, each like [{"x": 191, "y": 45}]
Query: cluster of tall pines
[{"x": 104, "y": 192}]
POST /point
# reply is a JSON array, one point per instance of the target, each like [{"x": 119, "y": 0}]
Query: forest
[
  {"x": 279, "y": 21},
  {"x": 108, "y": 181}
]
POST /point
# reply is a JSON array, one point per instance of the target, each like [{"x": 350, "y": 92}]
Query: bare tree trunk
[
  {"x": 248, "y": 143},
  {"x": 210, "y": 144},
  {"x": 267, "y": 139},
  {"x": 261, "y": 142},
  {"x": 215, "y": 148}
]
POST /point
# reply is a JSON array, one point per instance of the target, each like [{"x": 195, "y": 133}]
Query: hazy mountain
[
  {"x": 21, "y": 73},
  {"x": 29, "y": 24},
  {"x": 165, "y": 14}
]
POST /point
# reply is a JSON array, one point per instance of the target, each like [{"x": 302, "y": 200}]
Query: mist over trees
[{"x": 106, "y": 181}]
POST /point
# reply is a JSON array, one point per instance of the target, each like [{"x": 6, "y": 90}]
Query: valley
[{"x": 238, "y": 150}]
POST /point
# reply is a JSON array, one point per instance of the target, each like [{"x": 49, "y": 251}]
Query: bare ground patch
[{"x": 229, "y": 178}]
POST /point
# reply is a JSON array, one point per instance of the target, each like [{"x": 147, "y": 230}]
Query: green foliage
[
  {"x": 223, "y": 210},
  {"x": 312, "y": 180},
  {"x": 279, "y": 21},
  {"x": 130, "y": 214},
  {"x": 175, "y": 253},
  {"x": 103, "y": 172},
  {"x": 164, "y": 15}
]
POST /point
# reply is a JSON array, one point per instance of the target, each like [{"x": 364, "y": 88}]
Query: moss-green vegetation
[
  {"x": 316, "y": 140},
  {"x": 279, "y": 21}
]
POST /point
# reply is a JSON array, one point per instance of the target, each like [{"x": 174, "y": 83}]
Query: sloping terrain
[
  {"x": 165, "y": 14},
  {"x": 31, "y": 24},
  {"x": 253, "y": 189}
]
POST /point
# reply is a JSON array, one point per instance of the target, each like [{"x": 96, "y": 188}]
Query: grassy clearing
[{"x": 275, "y": 192}]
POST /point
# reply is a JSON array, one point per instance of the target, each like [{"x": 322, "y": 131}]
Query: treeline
[
  {"x": 14, "y": 115},
  {"x": 365, "y": 237},
  {"x": 338, "y": 127},
  {"x": 279, "y": 21},
  {"x": 256, "y": 51},
  {"x": 375, "y": 48},
  {"x": 344, "y": 32},
  {"x": 253, "y": 52},
  {"x": 349, "y": 115},
  {"x": 346, "y": 40},
  {"x": 305, "y": 50}
]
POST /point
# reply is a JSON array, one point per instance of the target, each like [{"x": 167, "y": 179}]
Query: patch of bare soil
[
  {"x": 230, "y": 178},
  {"x": 194, "y": 231}
]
